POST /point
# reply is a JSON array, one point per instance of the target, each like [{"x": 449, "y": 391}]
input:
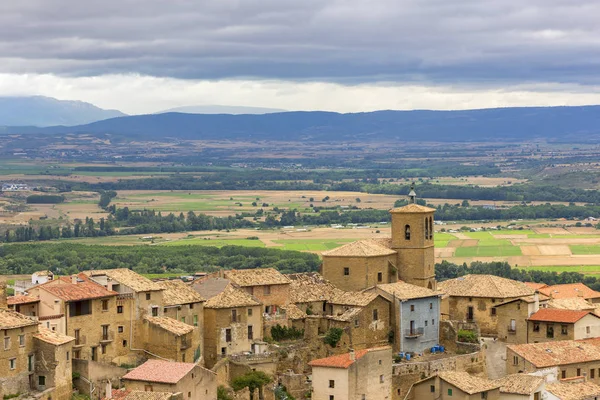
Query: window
[
  {"x": 356, "y": 323},
  {"x": 592, "y": 373},
  {"x": 426, "y": 228},
  {"x": 7, "y": 343},
  {"x": 331, "y": 397},
  {"x": 165, "y": 310},
  {"x": 380, "y": 362},
  {"x": 103, "y": 348},
  {"x": 77, "y": 336},
  {"x": 493, "y": 311},
  {"x": 550, "y": 331},
  {"x": 80, "y": 308},
  {"x": 148, "y": 296},
  {"x": 155, "y": 311},
  {"x": 105, "y": 332},
  {"x": 563, "y": 374},
  {"x": 266, "y": 290},
  {"x": 104, "y": 305},
  {"x": 120, "y": 329},
  {"x": 484, "y": 395},
  {"x": 228, "y": 335},
  {"x": 148, "y": 388},
  {"x": 191, "y": 306},
  {"x": 250, "y": 332},
  {"x": 331, "y": 383},
  {"x": 183, "y": 319},
  {"x": 449, "y": 392},
  {"x": 380, "y": 378},
  {"x": 119, "y": 309},
  {"x": 426, "y": 322},
  {"x": 346, "y": 271},
  {"x": 470, "y": 299},
  {"x": 94, "y": 353},
  {"x": 189, "y": 395},
  {"x": 76, "y": 354},
  {"x": 536, "y": 326},
  {"x": 564, "y": 330},
  {"x": 41, "y": 380},
  {"x": 578, "y": 372},
  {"x": 249, "y": 312},
  {"x": 515, "y": 360},
  {"x": 412, "y": 307},
  {"x": 234, "y": 317},
  {"x": 432, "y": 388},
  {"x": 433, "y": 322},
  {"x": 431, "y": 306},
  {"x": 379, "y": 277},
  {"x": 223, "y": 351},
  {"x": 124, "y": 343},
  {"x": 375, "y": 315},
  {"x": 67, "y": 356},
  {"x": 22, "y": 340},
  {"x": 195, "y": 320},
  {"x": 407, "y": 232},
  {"x": 12, "y": 363},
  {"x": 587, "y": 330}
]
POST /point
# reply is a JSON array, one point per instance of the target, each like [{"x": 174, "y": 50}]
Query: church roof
[
  {"x": 412, "y": 208},
  {"x": 361, "y": 248}
]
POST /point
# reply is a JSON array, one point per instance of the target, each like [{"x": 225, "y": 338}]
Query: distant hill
[
  {"x": 567, "y": 124},
  {"x": 47, "y": 111},
  {"x": 217, "y": 109}
]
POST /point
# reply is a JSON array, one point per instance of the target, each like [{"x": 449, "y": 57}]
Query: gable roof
[
  {"x": 568, "y": 290},
  {"x": 209, "y": 287},
  {"x": 174, "y": 326},
  {"x": 360, "y": 248},
  {"x": 176, "y": 292},
  {"x": 558, "y": 315},
  {"x": 49, "y": 336},
  {"x": 21, "y": 299},
  {"x": 412, "y": 208},
  {"x": 309, "y": 287},
  {"x": 406, "y": 291},
  {"x": 573, "y": 303},
  {"x": 127, "y": 277},
  {"x": 535, "y": 285},
  {"x": 10, "y": 319},
  {"x": 343, "y": 360},
  {"x": 574, "y": 391},
  {"x": 256, "y": 277},
  {"x": 84, "y": 289},
  {"x": 232, "y": 297},
  {"x": 468, "y": 383},
  {"x": 160, "y": 371},
  {"x": 520, "y": 384},
  {"x": 563, "y": 352},
  {"x": 526, "y": 299},
  {"x": 484, "y": 286}
]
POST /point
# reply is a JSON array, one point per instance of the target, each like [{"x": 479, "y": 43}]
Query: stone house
[
  {"x": 357, "y": 375},
  {"x": 39, "y": 277},
  {"x": 513, "y": 314},
  {"x": 407, "y": 255},
  {"x": 182, "y": 303},
  {"x": 549, "y": 324},
  {"x": 573, "y": 358},
  {"x": 567, "y": 390},
  {"x": 571, "y": 290},
  {"x": 472, "y": 298},
  {"x": 171, "y": 339},
  {"x": 53, "y": 365},
  {"x": 268, "y": 285},
  {"x": 232, "y": 319},
  {"x": 191, "y": 380},
  {"x": 415, "y": 315},
  {"x": 455, "y": 385},
  {"x": 522, "y": 387},
  {"x": 24, "y": 304}
]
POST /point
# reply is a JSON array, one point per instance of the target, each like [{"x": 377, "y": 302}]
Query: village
[{"x": 372, "y": 324}]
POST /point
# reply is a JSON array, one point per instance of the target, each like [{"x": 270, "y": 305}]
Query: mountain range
[
  {"x": 218, "y": 109},
  {"x": 565, "y": 124}
]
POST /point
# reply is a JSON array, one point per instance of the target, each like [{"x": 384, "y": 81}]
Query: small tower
[{"x": 412, "y": 239}]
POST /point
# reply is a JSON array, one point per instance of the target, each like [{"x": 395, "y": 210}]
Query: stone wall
[{"x": 98, "y": 374}]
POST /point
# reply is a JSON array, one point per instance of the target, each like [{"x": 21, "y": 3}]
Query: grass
[
  {"x": 579, "y": 249},
  {"x": 513, "y": 232},
  {"x": 488, "y": 251},
  {"x": 443, "y": 236},
  {"x": 312, "y": 244},
  {"x": 441, "y": 243},
  {"x": 215, "y": 242}
]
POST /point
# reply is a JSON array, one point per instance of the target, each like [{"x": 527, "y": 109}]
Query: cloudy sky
[{"x": 341, "y": 55}]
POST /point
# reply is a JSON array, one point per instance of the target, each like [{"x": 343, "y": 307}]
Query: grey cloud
[{"x": 472, "y": 41}]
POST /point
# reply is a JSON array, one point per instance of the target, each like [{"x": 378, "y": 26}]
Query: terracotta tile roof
[
  {"x": 574, "y": 391},
  {"x": 573, "y": 303},
  {"x": 292, "y": 311},
  {"x": 256, "y": 277},
  {"x": 10, "y": 319},
  {"x": 520, "y": 384},
  {"x": 412, "y": 208},
  {"x": 84, "y": 289},
  {"x": 360, "y": 248},
  {"x": 160, "y": 371},
  {"x": 177, "y": 292},
  {"x": 343, "y": 360},
  {"x": 550, "y": 354},
  {"x": 127, "y": 277},
  {"x": 468, "y": 383},
  {"x": 570, "y": 290},
  {"x": 558, "y": 315},
  {"x": 52, "y": 337},
  {"x": 21, "y": 299},
  {"x": 535, "y": 285},
  {"x": 484, "y": 286},
  {"x": 127, "y": 394},
  {"x": 309, "y": 287},
  {"x": 407, "y": 291},
  {"x": 360, "y": 299},
  {"x": 171, "y": 325},
  {"x": 232, "y": 297}
]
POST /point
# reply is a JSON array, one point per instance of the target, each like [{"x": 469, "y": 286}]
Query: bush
[
  {"x": 44, "y": 199},
  {"x": 223, "y": 394},
  {"x": 467, "y": 336},
  {"x": 333, "y": 336},
  {"x": 280, "y": 333}
]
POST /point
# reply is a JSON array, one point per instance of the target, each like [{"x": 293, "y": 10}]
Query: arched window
[
  {"x": 429, "y": 285},
  {"x": 407, "y": 232},
  {"x": 426, "y": 228},
  {"x": 430, "y": 227}
]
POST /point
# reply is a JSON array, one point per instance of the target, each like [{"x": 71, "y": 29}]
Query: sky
[{"x": 143, "y": 56}]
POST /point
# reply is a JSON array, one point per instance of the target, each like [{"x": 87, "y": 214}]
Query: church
[{"x": 408, "y": 255}]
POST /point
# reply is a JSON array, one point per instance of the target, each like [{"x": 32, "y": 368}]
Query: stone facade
[
  {"x": 358, "y": 273},
  {"x": 271, "y": 296},
  {"x": 17, "y": 360},
  {"x": 53, "y": 368},
  {"x": 512, "y": 320},
  {"x": 437, "y": 388},
  {"x": 587, "y": 327},
  {"x": 480, "y": 310}
]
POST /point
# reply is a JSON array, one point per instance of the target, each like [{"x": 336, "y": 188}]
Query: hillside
[
  {"x": 564, "y": 124},
  {"x": 47, "y": 111}
]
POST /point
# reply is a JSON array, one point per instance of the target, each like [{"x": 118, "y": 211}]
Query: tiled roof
[
  {"x": 359, "y": 299},
  {"x": 21, "y": 299},
  {"x": 573, "y": 303},
  {"x": 468, "y": 383},
  {"x": 484, "y": 286},
  {"x": 520, "y": 384},
  {"x": 127, "y": 394},
  {"x": 342, "y": 360},
  {"x": 209, "y": 287},
  {"x": 52, "y": 337},
  {"x": 256, "y": 277},
  {"x": 348, "y": 315},
  {"x": 558, "y": 315},
  {"x": 177, "y": 292},
  {"x": 550, "y": 354},
  {"x": 309, "y": 287},
  {"x": 574, "y": 391},
  {"x": 84, "y": 289},
  {"x": 360, "y": 248},
  {"x": 10, "y": 319},
  {"x": 160, "y": 371},
  {"x": 407, "y": 291},
  {"x": 569, "y": 290},
  {"x": 535, "y": 285},
  {"x": 232, "y": 297},
  {"x": 43, "y": 273},
  {"x": 412, "y": 208},
  {"x": 172, "y": 325},
  {"x": 292, "y": 311},
  {"x": 127, "y": 277}
]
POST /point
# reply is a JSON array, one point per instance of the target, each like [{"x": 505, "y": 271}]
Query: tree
[
  {"x": 333, "y": 336},
  {"x": 465, "y": 203},
  {"x": 222, "y": 393},
  {"x": 252, "y": 380}
]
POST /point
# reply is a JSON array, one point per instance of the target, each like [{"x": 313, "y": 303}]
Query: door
[
  {"x": 470, "y": 313},
  {"x": 412, "y": 328}
]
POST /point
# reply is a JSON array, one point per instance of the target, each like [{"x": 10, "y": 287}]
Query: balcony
[
  {"x": 107, "y": 337},
  {"x": 413, "y": 333},
  {"x": 80, "y": 341},
  {"x": 511, "y": 329}
]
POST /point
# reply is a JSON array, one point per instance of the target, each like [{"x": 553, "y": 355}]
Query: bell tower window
[
  {"x": 407, "y": 232},
  {"x": 426, "y": 228}
]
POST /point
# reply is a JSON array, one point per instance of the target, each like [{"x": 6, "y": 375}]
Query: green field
[
  {"x": 312, "y": 244},
  {"x": 215, "y": 242},
  {"x": 488, "y": 251},
  {"x": 579, "y": 249},
  {"x": 582, "y": 269}
]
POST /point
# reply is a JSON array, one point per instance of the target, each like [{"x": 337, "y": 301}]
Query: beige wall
[
  {"x": 422, "y": 391},
  {"x": 16, "y": 380},
  {"x": 587, "y": 327},
  {"x": 30, "y": 309},
  {"x": 518, "y": 311},
  {"x": 320, "y": 383},
  {"x": 363, "y": 271},
  {"x": 167, "y": 345},
  {"x": 363, "y": 331},
  {"x": 520, "y": 364},
  {"x": 482, "y": 311},
  {"x": 54, "y": 362},
  {"x": 274, "y": 295},
  {"x": 50, "y": 306}
]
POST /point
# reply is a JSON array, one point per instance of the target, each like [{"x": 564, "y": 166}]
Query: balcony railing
[
  {"x": 414, "y": 333},
  {"x": 80, "y": 341}
]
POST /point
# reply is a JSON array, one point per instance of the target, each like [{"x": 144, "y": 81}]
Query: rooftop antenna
[{"x": 412, "y": 195}]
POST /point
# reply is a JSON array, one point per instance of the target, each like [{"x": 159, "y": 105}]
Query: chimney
[
  {"x": 108, "y": 394},
  {"x": 536, "y": 301},
  {"x": 3, "y": 303},
  {"x": 352, "y": 355},
  {"x": 74, "y": 279}
]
